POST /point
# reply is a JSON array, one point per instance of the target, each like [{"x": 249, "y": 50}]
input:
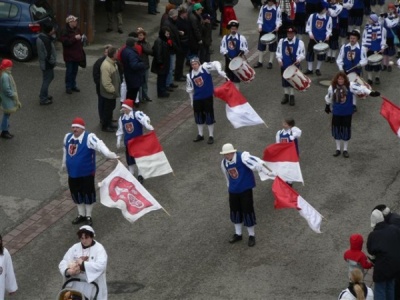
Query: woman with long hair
[{"x": 357, "y": 290}]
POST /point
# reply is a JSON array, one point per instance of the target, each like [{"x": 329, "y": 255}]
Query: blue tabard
[
  {"x": 132, "y": 128},
  {"x": 80, "y": 160},
  {"x": 233, "y": 46},
  {"x": 269, "y": 19},
  {"x": 351, "y": 57},
  {"x": 241, "y": 178},
  {"x": 318, "y": 27},
  {"x": 343, "y": 108},
  {"x": 203, "y": 86},
  {"x": 289, "y": 59},
  {"x": 285, "y": 138}
]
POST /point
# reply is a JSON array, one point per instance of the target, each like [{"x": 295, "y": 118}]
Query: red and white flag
[
  {"x": 286, "y": 197},
  {"x": 149, "y": 155},
  {"x": 121, "y": 189},
  {"x": 283, "y": 160},
  {"x": 238, "y": 111},
  {"x": 391, "y": 113}
]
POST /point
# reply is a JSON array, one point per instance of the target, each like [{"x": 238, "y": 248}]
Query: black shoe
[
  {"x": 69, "y": 91},
  {"x": 210, "y": 140},
  {"x": 140, "y": 179},
  {"x": 235, "y": 238},
  {"x": 354, "y": 108},
  {"x": 318, "y": 72},
  {"x": 108, "y": 129},
  {"x": 332, "y": 60},
  {"x": 79, "y": 219},
  {"x": 109, "y": 30},
  {"x": 370, "y": 81},
  {"x": 308, "y": 72},
  {"x": 166, "y": 95},
  {"x": 252, "y": 241},
  {"x": 258, "y": 65},
  {"x": 50, "y": 98},
  {"x": 291, "y": 100},
  {"x": 147, "y": 99},
  {"x": 170, "y": 89},
  {"x": 390, "y": 69},
  {"x": 337, "y": 153},
  {"x": 75, "y": 89},
  {"x": 285, "y": 99},
  {"x": 198, "y": 138},
  {"x": 328, "y": 59},
  {"x": 120, "y": 31},
  {"x": 374, "y": 94},
  {"x": 181, "y": 79},
  {"x": 384, "y": 68},
  {"x": 47, "y": 102},
  {"x": 89, "y": 221},
  {"x": 173, "y": 85},
  {"x": 377, "y": 80},
  {"x": 152, "y": 13},
  {"x": 6, "y": 135},
  {"x": 346, "y": 154},
  {"x": 269, "y": 66},
  {"x": 157, "y": 12}
]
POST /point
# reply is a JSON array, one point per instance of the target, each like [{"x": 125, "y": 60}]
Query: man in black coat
[{"x": 114, "y": 8}]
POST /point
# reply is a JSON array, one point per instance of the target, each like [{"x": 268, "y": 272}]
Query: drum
[
  {"x": 321, "y": 48},
  {"x": 353, "y": 77},
  {"x": 242, "y": 69},
  {"x": 296, "y": 78},
  {"x": 375, "y": 59},
  {"x": 268, "y": 38}
]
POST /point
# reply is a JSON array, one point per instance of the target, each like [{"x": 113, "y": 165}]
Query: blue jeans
[
  {"x": 384, "y": 290},
  {"x": 47, "y": 78},
  {"x": 5, "y": 122},
  {"x": 170, "y": 77},
  {"x": 70, "y": 74}
]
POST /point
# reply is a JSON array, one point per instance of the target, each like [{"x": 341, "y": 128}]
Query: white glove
[
  {"x": 118, "y": 144},
  {"x": 222, "y": 74},
  {"x": 62, "y": 169},
  {"x": 149, "y": 127},
  {"x": 191, "y": 102},
  {"x": 112, "y": 155}
]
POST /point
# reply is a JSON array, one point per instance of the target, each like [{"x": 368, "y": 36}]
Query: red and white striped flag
[
  {"x": 283, "y": 160},
  {"x": 149, "y": 155},
  {"x": 391, "y": 113},
  {"x": 238, "y": 111},
  {"x": 120, "y": 189},
  {"x": 286, "y": 197}
]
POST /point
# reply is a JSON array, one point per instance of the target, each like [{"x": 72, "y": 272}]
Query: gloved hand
[
  {"x": 374, "y": 94},
  {"x": 222, "y": 74},
  {"x": 118, "y": 144},
  {"x": 149, "y": 127},
  {"x": 200, "y": 42},
  {"x": 62, "y": 168},
  {"x": 328, "y": 109},
  {"x": 241, "y": 53},
  {"x": 227, "y": 57},
  {"x": 359, "y": 66}
]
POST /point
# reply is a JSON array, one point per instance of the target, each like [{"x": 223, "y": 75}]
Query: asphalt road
[{"x": 187, "y": 255}]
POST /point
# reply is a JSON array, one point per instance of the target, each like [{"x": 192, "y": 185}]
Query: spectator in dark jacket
[
  {"x": 207, "y": 38},
  {"x": 161, "y": 61},
  {"x": 384, "y": 245},
  {"x": 47, "y": 60},
  {"x": 183, "y": 25},
  {"x": 146, "y": 52},
  {"x": 71, "y": 40},
  {"x": 176, "y": 45},
  {"x": 196, "y": 30},
  {"x": 114, "y": 8},
  {"x": 134, "y": 68}
]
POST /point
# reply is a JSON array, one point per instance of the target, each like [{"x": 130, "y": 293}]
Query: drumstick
[{"x": 356, "y": 66}]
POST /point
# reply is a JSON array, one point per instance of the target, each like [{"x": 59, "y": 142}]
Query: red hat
[
  {"x": 291, "y": 29},
  {"x": 391, "y": 5},
  {"x": 78, "y": 122},
  {"x": 128, "y": 103},
  {"x": 6, "y": 63}
]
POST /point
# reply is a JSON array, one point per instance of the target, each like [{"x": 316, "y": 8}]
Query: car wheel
[{"x": 21, "y": 50}]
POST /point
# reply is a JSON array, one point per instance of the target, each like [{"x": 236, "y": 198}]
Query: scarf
[{"x": 340, "y": 94}]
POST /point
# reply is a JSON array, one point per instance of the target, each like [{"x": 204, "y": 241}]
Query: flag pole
[
  {"x": 165, "y": 211},
  {"x": 266, "y": 125}
]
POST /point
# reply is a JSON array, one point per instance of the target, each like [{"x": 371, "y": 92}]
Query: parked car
[{"x": 20, "y": 26}]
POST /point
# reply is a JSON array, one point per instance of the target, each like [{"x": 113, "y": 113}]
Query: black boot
[
  {"x": 285, "y": 99},
  {"x": 6, "y": 135},
  {"x": 291, "y": 100}
]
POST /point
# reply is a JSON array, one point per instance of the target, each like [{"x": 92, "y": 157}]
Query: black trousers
[{"x": 108, "y": 108}]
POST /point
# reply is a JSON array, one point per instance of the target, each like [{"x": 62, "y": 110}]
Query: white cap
[
  {"x": 376, "y": 217},
  {"x": 227, "y": 148},
  {"x": 87, "y": 228}
]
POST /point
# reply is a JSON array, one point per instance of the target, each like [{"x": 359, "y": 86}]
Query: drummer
[
  {"x": 319, "y": 29},
  {"x": 290, "y": 51},
  {"x": 374, "y": 39},
  {"x": 352, "y": 57},
  {"x": 233, "y": 45},
  {"x": 269, "y": 21}
]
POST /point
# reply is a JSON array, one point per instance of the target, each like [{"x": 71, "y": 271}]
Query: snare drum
[
  {"x": 375, "y": 59},
  {"x": 242, "y": 69},
  {"x": 268, "y": 38},
  {"x": 321, "y": 48},
  {"x": 296, "y": 78},
  {"x": 353, "y": 77}
]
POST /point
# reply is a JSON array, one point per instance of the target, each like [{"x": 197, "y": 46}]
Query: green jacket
[{"x": 9, "y": 102}]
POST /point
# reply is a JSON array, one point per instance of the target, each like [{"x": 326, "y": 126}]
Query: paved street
[{"x": 187, "y": 255}]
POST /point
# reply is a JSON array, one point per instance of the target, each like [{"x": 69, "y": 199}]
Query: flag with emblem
[
  {"x": 120, "y": 189},
  {"x": 391, "y": 113},
  {"x": 238, "y": 111},
  {"x": 283, "y": 160},
  {"x": 149, "y": 155},
  {"x": 287, "y": 197}
]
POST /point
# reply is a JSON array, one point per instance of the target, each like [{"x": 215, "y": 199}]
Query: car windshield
[{"x": 40, "y": 10}]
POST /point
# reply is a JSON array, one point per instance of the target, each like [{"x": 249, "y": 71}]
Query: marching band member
[
  {"x": 356, "y": 15},
  {"x": 233, "y": 45},
  {"x": 319, "y": 28},
  {"x": 290, "y": 51},
  {"x": 340, "y": 98},
  {"x": 333, "y": 11},
  {"x": 390, "y": 23},
  {"x": 344, "y": 20},
  {"x": 352, "y": 57},
  {"x": 300, "y": 18},
  {"x": 288, "y": 13},
  {"x": 269, "y": 21},
  {"x": 200, "y": 87},
  {"x": 374, "y": 39}
]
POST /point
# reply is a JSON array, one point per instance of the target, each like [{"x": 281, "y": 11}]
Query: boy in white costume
[{"x": 8, "y": 283}]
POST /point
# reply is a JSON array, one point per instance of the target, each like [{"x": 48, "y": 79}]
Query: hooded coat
[
  {"x": 161, "y": 53},
  {"x": 355, "y": 252}
]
